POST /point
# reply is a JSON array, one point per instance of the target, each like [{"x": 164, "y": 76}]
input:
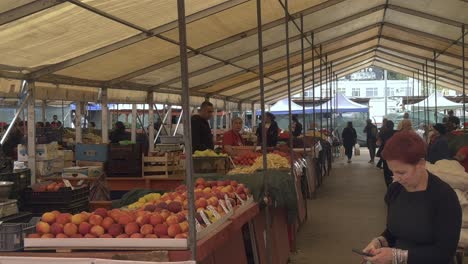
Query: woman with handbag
[{"x": 349, "y": 137}]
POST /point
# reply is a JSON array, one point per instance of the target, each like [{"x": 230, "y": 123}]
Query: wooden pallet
[{"x": 162, "y": 166}]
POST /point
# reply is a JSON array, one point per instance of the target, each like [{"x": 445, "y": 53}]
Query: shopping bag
[
  {"x": 357, "y": 150},
  {"x": 342, "y": 151}
]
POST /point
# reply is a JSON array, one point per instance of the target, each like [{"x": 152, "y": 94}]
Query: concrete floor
[{"x": 348, "y": 212}]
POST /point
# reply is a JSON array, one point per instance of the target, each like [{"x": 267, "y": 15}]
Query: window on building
[
  {"x": 356, "y": 92},
  {"x": 341, "y": 90},
  {"x": 372, "y": 92}
]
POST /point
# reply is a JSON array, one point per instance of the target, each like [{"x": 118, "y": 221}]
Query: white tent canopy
[
  {"x": 282, "y": 108},
  {"x": 342, "y": 104},
  {"x": 442, "y": 103}
]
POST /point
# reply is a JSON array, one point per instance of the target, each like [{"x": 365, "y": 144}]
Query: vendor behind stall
[
  {"x": 202, "y": 138},
  {"x": 119, "y": 133},
  {"x": 272, "y": 130},
  {"x": 233, "y": 137},
  {"x": 296, "y": 126}
]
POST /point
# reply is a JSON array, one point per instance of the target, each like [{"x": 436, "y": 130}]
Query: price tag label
[
  {"x": 240, "y": 199},
  {"x": 198, "y": 226},
  {"x": 228, "y": 203},
  {"x": 214, "y": 212},
  {"x": 68, "y": 184},
  {"x": 223, "y": 205},
  {"x": 205, "y": 218}
]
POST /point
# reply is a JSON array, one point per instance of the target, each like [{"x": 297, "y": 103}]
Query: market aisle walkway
[{"x": 348, "y": 212}]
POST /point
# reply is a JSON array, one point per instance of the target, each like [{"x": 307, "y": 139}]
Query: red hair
[{"x": 405, "y": 146}]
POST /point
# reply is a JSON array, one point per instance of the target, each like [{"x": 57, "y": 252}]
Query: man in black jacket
[{"x": 202, "y": 138}]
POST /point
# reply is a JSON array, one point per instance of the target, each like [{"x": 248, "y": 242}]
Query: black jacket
[
  {"x": 202, "y": 138},
  {"x": 297, "y": 130},
  {"x": 438, "y": 150},
  {"x": 349, "y": 136},
  {"x": 272, "y": 134}
]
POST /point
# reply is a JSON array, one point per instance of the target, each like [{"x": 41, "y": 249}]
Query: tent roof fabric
[
  {"x": 282, "y": 108},
  {"x": 442, "y": 102},
  {"x": 133, "y": 44},
  {"x": 341, "y": 104}
]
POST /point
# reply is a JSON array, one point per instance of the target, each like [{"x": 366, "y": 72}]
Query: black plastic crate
[
  {"x": 39, "y": 209},
  {"x": 21, "y": 217},
  {"x": 121, "y": 168},
  {"x": 12, "y": 235},
  {"x": 125, "y": 152},
  {"x": 21, "y": 180},
  {"x": 62, "y": 197}
]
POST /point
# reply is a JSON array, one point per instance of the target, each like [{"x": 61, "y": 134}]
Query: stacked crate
[
  {"x": 162, "y": 165},
  {"x": 124, "y": 160},
  {"x": 48, "y": 161}
]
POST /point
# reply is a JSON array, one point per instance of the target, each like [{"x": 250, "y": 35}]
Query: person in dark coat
[
  {"x": 379, "y": 142},
  {"x": 424, "y": 215},
  {"x": 202, "y": 137},
  {"x": 438, "y": 148},
  {"x": 349, "y": 137},
  {"x": 272, "y": 130},
  {"x": 371, "y": 135},
  {"x": 385, "y": 137},
  {"x": 296, "y": 126},
  {"x": 119, "y": 133}
]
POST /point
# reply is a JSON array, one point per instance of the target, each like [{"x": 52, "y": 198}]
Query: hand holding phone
[{"x": 360, "y": 252}]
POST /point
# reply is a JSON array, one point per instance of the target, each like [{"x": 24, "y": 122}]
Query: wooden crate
[{"x": 165, "y": 165}]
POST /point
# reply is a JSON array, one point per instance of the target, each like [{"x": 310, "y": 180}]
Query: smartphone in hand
[{"x": 359, "y": 252}]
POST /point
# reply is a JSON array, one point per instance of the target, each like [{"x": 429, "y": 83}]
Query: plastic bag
[{"x": 357, "y": 150}]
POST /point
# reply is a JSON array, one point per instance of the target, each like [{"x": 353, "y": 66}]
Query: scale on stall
[
  {"x": 170, "y": 144},
  {"x": 7, "y": 206}
]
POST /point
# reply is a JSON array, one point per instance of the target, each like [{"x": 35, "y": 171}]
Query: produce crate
[
  {"x": 43, "y": 152},
  {"x": 39, "y": 209},
  {"x": 21, "y": 217},
  {"x": 124, "y": 168},
  {"x": 92, "y": 152},
  {"x": 165, "y": 165},
  {"x": 219, "y": 165},
  {"x": 12, "y": 234},
  {"x": 21, "y": 180},
  {"x": 125, "y": 152},
  {"x": 63, "y": 196}
]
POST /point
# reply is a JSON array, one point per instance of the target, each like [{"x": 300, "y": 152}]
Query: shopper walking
[
  {"x": 371, "y": 133},
  {"x": 423, "y": 213},
  {"x": 349, "y": 137},
  {"x": 406, "y": 125},
  {"x": 379, "y": 142},
  {"x": 405, "y": 118},
  {"x": 438, "y": 146},
  {"x": 388, "y": 133}
]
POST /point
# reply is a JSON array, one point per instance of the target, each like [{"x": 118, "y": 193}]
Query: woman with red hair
[{"x": 423, "y": 212}]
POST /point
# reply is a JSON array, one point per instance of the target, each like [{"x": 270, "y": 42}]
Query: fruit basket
[
  {"x": 12, "y": 234},
  {"x": 63, "y": 196}
]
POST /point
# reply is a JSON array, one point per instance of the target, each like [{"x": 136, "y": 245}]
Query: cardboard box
[
  {"x": 45, "y": 168},
  {"x": 92, "y": 152},
  {"x": 75, "y": 172},
  {"x": 66, "y": 155},
  {"x": 43, "y": 152}
]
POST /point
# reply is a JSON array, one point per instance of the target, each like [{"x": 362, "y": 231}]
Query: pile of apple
[
  {"x": 246, "y": 158},
  {"x": 163, "y": 217},
  {"x": 115, "y": 223},
  {"x": 47, "y": 187}
]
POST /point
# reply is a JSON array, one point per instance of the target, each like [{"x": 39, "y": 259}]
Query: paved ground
[{"x": 349, "y": 210}]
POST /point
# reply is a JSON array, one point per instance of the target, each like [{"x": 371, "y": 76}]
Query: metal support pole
[
  {"x": 78, "y": 115},
  {"x": 412, "y": 95},
  {"x": 254, "y": 117},
  {"x": 321, "y": 90},
  {"x": 215, "y": 124},
  {"x": 330, "y": 79},
  {"x": 303, "y": 79},
  {"x": 427, "y": 94},
  {"x": 435, "y": 87},
  {"x": 313, "y": 81},
  {"x": 178, "y": 122},
  {"x": 151, "y": 121},
  {"x": 32, "y": 130},
  {"x": 22, "y": 106},
  {"x": 268, "y": 244},
  {"x": 192, "y": 242},
  {"x": 43, "y": 110},
  {"x": 386, "y": 93},
  {"x": 134, "y": 122},
  {"x": 288, "y": 71},
  {"x": 464, "y": 77},
  {"x": 63, "y": 115},
  {"x": 419, "y": 95},
  {"x": 326, "y": 92},
  {"x": 104, "y": 117}
]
